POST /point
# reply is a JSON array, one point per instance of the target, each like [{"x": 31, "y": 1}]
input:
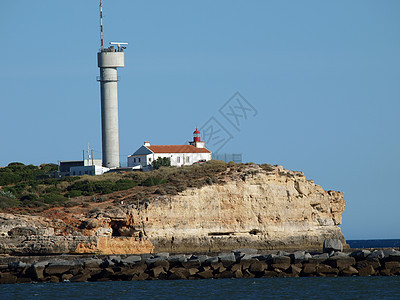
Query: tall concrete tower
[{"x": 109, "y": 59}]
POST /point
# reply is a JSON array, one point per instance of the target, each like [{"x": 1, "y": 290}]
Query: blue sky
[{"x": 323, "y": 77}]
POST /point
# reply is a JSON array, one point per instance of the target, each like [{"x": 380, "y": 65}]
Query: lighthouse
[{"x": 197, "y": 142}]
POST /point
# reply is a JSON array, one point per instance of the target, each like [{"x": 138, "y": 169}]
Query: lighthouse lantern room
[{"x": 197, "y": 142}]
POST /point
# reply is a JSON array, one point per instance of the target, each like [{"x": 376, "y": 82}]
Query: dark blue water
[
  {"x": 373, "y": 243},
  {"x": 262, "y": 288}
]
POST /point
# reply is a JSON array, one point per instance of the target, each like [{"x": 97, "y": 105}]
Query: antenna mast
[{"x": 101, "y": 24}]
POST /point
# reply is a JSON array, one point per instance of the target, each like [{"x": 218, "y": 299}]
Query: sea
[{"x": 248, "y": 288}]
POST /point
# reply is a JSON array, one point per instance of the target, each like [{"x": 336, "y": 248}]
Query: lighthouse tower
[
  {"x": 109, "y": 59},
  {"x": 197, "y": 142}
]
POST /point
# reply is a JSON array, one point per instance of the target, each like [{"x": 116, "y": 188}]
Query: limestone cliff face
[{"x": 256, "y": 207}]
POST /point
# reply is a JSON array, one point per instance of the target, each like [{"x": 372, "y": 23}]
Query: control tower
[{"x": 109, "y": 59}]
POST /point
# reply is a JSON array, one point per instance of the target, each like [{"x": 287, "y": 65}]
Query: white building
[
  {"x": 180, "y": 155},
  {"x": 87, "y": 170}
]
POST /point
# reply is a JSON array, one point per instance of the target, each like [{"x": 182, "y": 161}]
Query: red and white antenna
[{"x": 101, "y": 24}]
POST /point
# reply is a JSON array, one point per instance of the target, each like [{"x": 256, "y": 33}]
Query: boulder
[
  {"x": 162, "y": 263},
  {"x": 13, "y": 265},
  {"x": 248, "y": 274},
  {"x": 235, "y": 267},
  {"x": 141, "y": 276},
  {"x": 366, "y": 271},
  {"x": 211, "y": 260},
  {"x": 247, "y": 263},
  {"x": 326, "y": 269},
  {"x": 192, "y": 263},
  {"x": 374, "y": 262},
  {"x": 66, "y": 277},
  {"x": 320, "y": 257},
  {"x": 115, "y": 259},
  {"x": 360, "y": 254},
  {"x": 107, "y": 263},
  {"x": 247, "y": 256},
  {"x": 341, "y": 262},
  {"x": 280, "y": 262},
  {"x": 146, "y": 256},
  {"x": 138, "y": 268},
  {"x": 350, "y": 271},
  {"x": 299, "y": 257},
  {"x": 193, "y": 271},
  {"x": 391, "y": 265},
  {"x": 227, "y": 259},
  {"x": 376, "y": 254},
  {"x": 394, "y": 256},
  {"x": 157, "y": 271},
  {"x": 205, "y": 274},
  {"x": 309, "y": 268},
  {"x": 332, "y": 245},
  {"x": 80, "y": 277},
  {"x": 202, "y": 258},
  {"x": 225, "y": 274},
  {"x": 283, "y": 253},
  {"x": 163, "y": 255},
  {"x": 238, "y": 273},
  {"x": 294, "y": 270},
  {"x": 92, "y": 262},
  {"x": 58, "y": 268},
  {"x": 218, "y": 267},
  {"x": 177, "y": 258},
  {"x": 258, "y": 267},
  {"x": 7, "y": 278},
  {"x": 132, "y": 259}
]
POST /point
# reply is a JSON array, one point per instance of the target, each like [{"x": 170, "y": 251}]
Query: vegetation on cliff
[{"x": 27, "y": 186}]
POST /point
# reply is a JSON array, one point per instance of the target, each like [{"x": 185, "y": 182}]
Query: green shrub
[
  {"x": 125, "y": 184},
  {"x": 8, "y": 177},
  {"x": 152, "y": 181},
  {"x": 52, "y": 198},
  {"x": 73, "y": 194},
  {"x": 7, "y": 202},
  {"x": 29, "y": 197}
]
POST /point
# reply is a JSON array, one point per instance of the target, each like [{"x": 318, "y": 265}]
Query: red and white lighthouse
[
  {"x": 196, "y": 136},
  {"x": 197, "y": 142}
]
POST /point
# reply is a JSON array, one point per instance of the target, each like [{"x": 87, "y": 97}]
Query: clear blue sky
[{"x": 324, "y": 77}]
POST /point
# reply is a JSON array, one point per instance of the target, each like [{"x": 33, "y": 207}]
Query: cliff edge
[{"x": 249, "y": 206}]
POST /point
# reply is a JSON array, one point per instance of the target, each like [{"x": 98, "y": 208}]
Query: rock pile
[{"x": 241, "y": 263}]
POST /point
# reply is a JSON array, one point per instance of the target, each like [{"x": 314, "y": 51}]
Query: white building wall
[
  {"x": 177, "y": 159},
  {"x": 87, "y": 170}
]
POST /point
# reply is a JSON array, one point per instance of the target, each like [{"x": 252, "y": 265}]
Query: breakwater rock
[
  {"x": 258, "y": 206},
  {"x": 242, "y": 263}
]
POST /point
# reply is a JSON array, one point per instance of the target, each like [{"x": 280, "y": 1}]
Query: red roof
[
  {"x": 196, "y": 132},
  {"x": 176, "y": 149}
]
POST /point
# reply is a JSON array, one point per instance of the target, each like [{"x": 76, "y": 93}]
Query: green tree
[{"x": 161, "y": 162}]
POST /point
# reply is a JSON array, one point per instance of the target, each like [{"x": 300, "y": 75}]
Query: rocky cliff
[{"x": 264, "y": 207}]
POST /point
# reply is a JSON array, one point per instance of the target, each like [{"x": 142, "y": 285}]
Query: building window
[
  {"x": 149, "y": 158},
  {"x": 134, "y": 160},
  {"x": 187, "y": 159},
  {"x": 138, "y": 160},
  {"x": 178, "y": 159}
]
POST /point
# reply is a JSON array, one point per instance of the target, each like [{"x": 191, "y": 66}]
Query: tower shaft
[{"x": 108, "y": 61}]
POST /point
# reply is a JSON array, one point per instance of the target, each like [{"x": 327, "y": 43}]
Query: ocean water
[
  {"x": 374, "y": 243},
  {"x": 260, "y": 288}
]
